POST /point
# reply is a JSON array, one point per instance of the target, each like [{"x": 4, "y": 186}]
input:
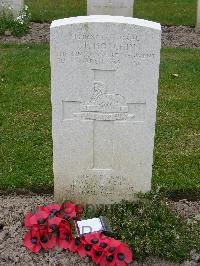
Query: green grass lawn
[
  {"x": 25, "y": 119},
  {"x": 177, "y": 145},
  {"x": 164, "y": 11}
]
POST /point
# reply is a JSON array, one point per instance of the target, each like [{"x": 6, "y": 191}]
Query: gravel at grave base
[
  {"x": 180, "y": 37},
  {"x": 38, "y": 33},
  {"x": 172, "y": 36},
  {"x": 187, "y": 209},
  {"x": 12, "y": 252}
]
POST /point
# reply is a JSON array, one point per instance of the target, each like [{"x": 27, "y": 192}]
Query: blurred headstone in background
[
  {"x": 12, "y": 6},
  {"x": 110, "y": 7}
]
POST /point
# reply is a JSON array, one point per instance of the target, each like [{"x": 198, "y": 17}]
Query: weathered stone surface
[
  {"x": 105, "y": 74},
  {"x": 15, "y": 6},
  {"x": 110, "y": 7}
]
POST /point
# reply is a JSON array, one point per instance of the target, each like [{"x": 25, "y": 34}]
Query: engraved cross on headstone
[{"x": 105, "y": 108}]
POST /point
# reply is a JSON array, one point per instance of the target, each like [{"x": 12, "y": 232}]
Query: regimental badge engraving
[{"x": 104, "y": 104}]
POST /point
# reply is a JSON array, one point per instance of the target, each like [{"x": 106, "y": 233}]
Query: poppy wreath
[{"x": 50, "y": 225}]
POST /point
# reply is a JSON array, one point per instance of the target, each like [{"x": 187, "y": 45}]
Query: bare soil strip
[{"x": 172, "y": 36}]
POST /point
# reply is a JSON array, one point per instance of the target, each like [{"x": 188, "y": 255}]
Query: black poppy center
[
  {"x": 98, "y": 253},
  {"x": 34, "y": 240},
  {"x": 54, "y": 211},
  {"x": 66, "y": 217},
  {"x": 77, "y": 241},
  {"x": 111, "y": 249},
  {"x": 88, "y": 247},
  {"x": 110, "y": 258},
  {"x": 41, "y": 220},
  {"x": 53, "y": 227},
  {"x": 44, "y": 239},
  {"x": 120, "y": 256},
  {"x": 103, "y": 245},
  {"x": 94, "y": 240}
]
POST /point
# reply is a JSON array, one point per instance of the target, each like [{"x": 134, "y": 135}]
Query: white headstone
[
  {"x": 105, "y": 73},
  {"x": 110, "y": 7},
  {"x": 198, "y": 16},
  {"x": 15, "y": 6}
]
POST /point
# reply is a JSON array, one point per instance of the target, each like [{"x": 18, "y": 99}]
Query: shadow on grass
[{"x": 174, "y": 195}]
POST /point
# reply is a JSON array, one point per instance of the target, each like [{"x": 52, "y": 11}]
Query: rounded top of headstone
[{"x": 106, "y": 19}]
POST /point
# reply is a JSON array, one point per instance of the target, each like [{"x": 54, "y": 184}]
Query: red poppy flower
[
  {"x": 37, "y": 239},
  {"x": 65, "y": 239},
  {"x": 93, "y": 238},
  {"x": 48, "y": 241},
  {"x": 76, "y": 245},
  {"x": 65, "y": 226},
  {"x": 104, "y": 242},
  {"x": 117, "y": 254},
  {"x": 39, "y": 218},
  {"x": 99, "y": 248},
  {"x": 68, "y": 210},
  {"x": 32, "y": 241},
  {"x": 88, "y": 241},
  {"x": 27, "y": 222},
  {"x": 53, "y": 224},
  {"x": 65, "y": 235},
  {"x": 51, "y": 209},
  {"x": 97, "y": 255},
  {"x": 113, "y": 246},
  {"x": 109, "y": 251},
  {"x": 124, "y": 255},
  {"x": 69, "y": 206}
]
